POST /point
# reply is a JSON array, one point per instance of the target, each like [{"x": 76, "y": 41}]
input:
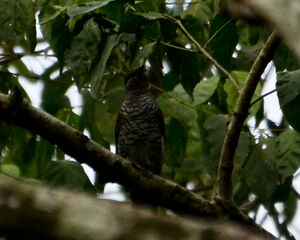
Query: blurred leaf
[
  {"x": 7, "y": 81},
  {"x": 284, "y": 59},
  {"x": 51, "y": 12},
  {"x": 200, "y": 10},
  {"x": 17, "y": 20},
  {"x": 96, "y": 79},
  {"x": 10, "y": 169},
  {"x": 142, "y": 55},
  {"x": 5, "y": 131},
  {"x": 240, "y": 192},
  {"x": 205, "y": 89},
  {"x": 175, "y": 145},
  {"x": 55, "y": 30},
  {"x": 283, "y": 191},
  {"x": 260, "y": 172},
  {"x": 69, "y": 117},
  {"x": 288, "y": 90},
  {"x": 232, "y": 94},
  {"x": 88, "y": 119},
  {"x": 43, "y": 156},
  {"x": 216, "y": 128},
  {"x": 53, "y": 95},
  {"x": 84, "y": 8},
  {"x": 290, "y": 207},
  {"x": 69, "y": 175},
  {"x": 84, "y": 49},
  {"x": 188, "y": 67},
  {"x": 223, "y": 35},
  {"x": 170, "y": 81},
  {"x": 106, "y": 113},
  {"x": 177, "y": 109},
  {"x": 287, "y": 152}
]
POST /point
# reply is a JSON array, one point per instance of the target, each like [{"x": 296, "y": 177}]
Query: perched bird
[{"x": 139, "y": 132}]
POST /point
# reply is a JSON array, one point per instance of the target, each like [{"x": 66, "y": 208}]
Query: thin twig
[
  {"x": 224, "y": 185},
  {"x": 203, "y": 51},
  {"x": 261, "y": 97},
  {"x": 217, "y": 32}
]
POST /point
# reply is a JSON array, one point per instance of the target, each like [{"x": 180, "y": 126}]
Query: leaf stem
[
  {"x": 203, "y": 51},
  {"x": 217, "y": 32}
]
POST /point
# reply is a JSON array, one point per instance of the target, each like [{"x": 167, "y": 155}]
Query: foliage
[{"x": 96, "y": 43}]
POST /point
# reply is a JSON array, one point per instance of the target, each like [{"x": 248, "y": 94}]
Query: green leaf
[
  {"x": 53, "y": 95},
  {"x": 223, "y": 39},
  {"x": 68, "y": 116},
  {"x": 200, "y": 10},
  {"x": 287, "y": 152},
  {"x": 84, "y": 8},
  {"x": 43, "y": 155},
  {"x": 69, "y": 175},
  {"x": 170, "y": 81},
  {"x": 284, "y": 59},
  {"x": 142, "y": 55},
  {"x": 17, "y": 21},
  {"x": 175, "y": 145},
  {"x": 106, "y": 113},
  {"x": 97, "y": 74},
  {"x": 88, "y": 119},
  {"x": 216, "y": 128},
  {"x": 205, "y": 89},
  {"x": 56, "y": 31},
  {"x": 290, "y": 207},
  {"x": 232, "y": 94},
  {"x": 187, "y": 66},
  {"x": 283, "y": 190},
  {"x": 10, "y": 169},
  {"x": 84, "y": 49},
  {"x": 175, "y": 106},
  {"x": 288, "y": 86},
  {"x": 50, "y": 13},
  {"x": 260, "y": 172},
  {"x": 288, "y": 90}
]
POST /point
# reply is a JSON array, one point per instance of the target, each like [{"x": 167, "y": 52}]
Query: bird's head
[{"x": 137, "y": 80}]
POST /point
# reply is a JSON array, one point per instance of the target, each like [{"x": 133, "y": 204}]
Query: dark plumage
[{"x": 139, "y": 132}]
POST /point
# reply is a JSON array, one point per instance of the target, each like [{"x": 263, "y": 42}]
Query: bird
[{"x": 139, "y": 131}]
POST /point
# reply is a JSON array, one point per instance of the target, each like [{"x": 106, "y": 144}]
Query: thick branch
[
  {"x": 30, "y": 211},
  {"x": 224, "y": 184},
  {"x": 156, "y": 190},
  {"x": 111, "y": 167}
]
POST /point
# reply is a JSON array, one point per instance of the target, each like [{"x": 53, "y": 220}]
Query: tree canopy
[{"x": 205, "y": 60}]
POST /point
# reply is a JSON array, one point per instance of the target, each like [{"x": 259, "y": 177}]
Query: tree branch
[
  {"x": 34, "y": 211},
  {"x": 224, "y": 184},
  {"x": 111, "y": 167}
]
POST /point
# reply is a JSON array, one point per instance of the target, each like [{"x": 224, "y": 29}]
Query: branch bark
[
  {"x": 110, "y": 167},
  {"x": 158, "y": 191},
  {"x": 224, "y": 185},
  {"x": 30, "y": 211}
]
